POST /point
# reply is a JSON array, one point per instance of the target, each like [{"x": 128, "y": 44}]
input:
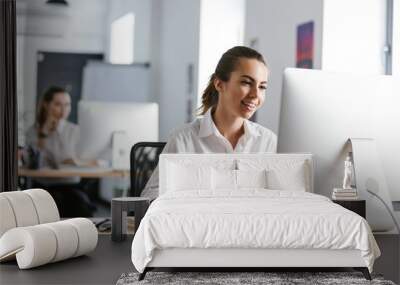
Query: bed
[{"x": 246, "y": 211}]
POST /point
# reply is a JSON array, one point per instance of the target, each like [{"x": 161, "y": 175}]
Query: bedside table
[
  {"x": 357, "y": 206},
  {"x": 120, "y": 207}
]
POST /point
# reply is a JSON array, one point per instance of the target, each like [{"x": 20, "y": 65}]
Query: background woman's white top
[
  {"x": 202, "y": 136},
  {"x": 59, "y": 146}
]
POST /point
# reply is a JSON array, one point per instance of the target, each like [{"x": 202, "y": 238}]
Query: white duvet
[{"x": 250, "y": 218}]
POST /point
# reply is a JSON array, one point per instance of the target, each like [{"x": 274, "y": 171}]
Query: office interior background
[
  {"x": 135, "y": 70},
  {"x": 163, "y": 51}
]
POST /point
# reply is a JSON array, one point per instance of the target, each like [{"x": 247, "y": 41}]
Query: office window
[
  {"x": 217, "y": 36},
  {"x": 122, "y": 39}
]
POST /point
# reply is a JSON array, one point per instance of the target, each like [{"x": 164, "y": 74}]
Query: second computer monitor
[{"x": 100, "y": 122}]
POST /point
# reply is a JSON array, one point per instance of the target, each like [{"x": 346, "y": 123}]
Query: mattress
[{"x": 250, "y": 219}]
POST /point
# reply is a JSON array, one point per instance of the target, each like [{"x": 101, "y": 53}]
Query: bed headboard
[{"x": 174, "y": 166}]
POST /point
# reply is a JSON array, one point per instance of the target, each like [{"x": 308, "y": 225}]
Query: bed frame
[{"x": 260, "y": 259}]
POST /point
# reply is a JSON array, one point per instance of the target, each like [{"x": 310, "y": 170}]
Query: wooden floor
[{"x": 103, "y": 266}]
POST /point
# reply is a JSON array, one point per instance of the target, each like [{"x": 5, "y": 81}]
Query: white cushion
[
  {"x": 223, "y": 179},
  {"x": 237, "y": 179},
  {"x": 34, "y": 244},
  {"x": 7, "y": 218},
  {"x": 40, "y": 244},
  {"x": 87, "y": 235},
  {"x": 26, "y": 208},
  {"x": 67, "y": 238},
  {"x": 251, "y": 178},
  {"x": 181, "y": 177},
  {"x": 23, "y": 208},
  {"x": 288, "y": 177},
  {"x": 45, "y": 206},
  {"x": 281, "y": 174}
]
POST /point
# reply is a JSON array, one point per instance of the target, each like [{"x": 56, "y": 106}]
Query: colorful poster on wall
[{"x": 305, "y": 45}]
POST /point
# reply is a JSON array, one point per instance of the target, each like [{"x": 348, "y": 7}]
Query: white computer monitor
[
  {"x": 321, "y": 110},
  {"x": 104, "y": 123}
]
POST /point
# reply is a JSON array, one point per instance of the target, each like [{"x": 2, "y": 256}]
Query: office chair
[{"x": 144, "y": 159}]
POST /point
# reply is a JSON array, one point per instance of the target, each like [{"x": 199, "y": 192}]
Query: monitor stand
[{"x": 371, "y": 185}]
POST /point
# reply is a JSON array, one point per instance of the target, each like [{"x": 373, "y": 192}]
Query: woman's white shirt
[
  {"x": 59, "y": 146},
  {"x": 202, "y": 136}
]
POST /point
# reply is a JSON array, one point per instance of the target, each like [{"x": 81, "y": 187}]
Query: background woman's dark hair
[
  {"x": 224, "y": 68},
  {"x": 47, "y": 97}
]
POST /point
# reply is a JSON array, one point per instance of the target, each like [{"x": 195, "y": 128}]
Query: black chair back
[{"x": 144, "y": 159}]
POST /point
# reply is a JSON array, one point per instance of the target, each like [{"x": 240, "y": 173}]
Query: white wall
[
  {"x": 396, "y": 38},
  {"x": 154, "y": 49},
  {"x": 274, "y": 24},
  {"x": 354, "y": 36},
  {"x": 142, "y": 26},
  {"x": 80, "y": 27},
  {"x": 178, "y": 47},
  {"x": 221, "y": 28}
]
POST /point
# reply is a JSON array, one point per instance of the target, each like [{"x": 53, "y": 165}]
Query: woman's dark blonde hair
[
  {"x": 224, "y": 68},
  {"x": 47, "y": 97}
]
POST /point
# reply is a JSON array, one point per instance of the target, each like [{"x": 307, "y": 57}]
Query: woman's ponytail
[{"x": 209, "y": 98}]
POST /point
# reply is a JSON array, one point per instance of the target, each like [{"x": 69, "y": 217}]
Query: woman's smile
[{"x": 248, "y": 106}]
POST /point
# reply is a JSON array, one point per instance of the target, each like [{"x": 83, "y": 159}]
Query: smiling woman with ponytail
[{"x": 234, "y": 92}]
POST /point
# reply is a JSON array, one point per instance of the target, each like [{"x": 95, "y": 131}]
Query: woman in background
[
  {"x": 55, "y": 140},
  {"x": 235, "y": 91},
  {"x": 52, "y": 135}
]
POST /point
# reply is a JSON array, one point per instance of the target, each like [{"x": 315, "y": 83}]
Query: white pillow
[
  {"x": 288, "y": 177},
  {"x": 236, "y": 179},
  {"x": 251, "y": 178},
  {"x": 281, "y": 174},
  {"x": 181, "y": 177},
  {"x": 224, "y": 179}
]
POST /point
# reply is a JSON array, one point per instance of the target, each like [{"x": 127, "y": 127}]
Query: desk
[
  {"x": 28, "y": 174},
  {"x": 72, "y": 172}
]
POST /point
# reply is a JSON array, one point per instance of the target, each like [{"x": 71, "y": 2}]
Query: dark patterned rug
[{"x": 228, "y": 278}]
